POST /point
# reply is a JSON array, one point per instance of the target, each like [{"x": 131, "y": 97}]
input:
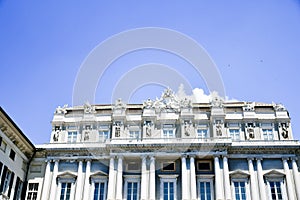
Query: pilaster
[
  {"x": 152, "y": 179},
  {"x": 193, "y": 178},
  {"x": 111, "y": 180},
  {"x": 226, "y": 179},
  {"x": 119, "y": 188},
  {"x": 296, "y": 177},
  {"x": 86, "y": 180},
  {"x": 45, "y": 192},
  {"x": 289, "y": 183},
  {"x": 253, "y": 183},
  {"x": 262, "y": 188}
]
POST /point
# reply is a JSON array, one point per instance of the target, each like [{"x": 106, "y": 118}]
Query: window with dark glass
[
  {"x": 276, "y": 193},
  {"x": 204, "y": 166},
  {"x": 168, "y": 166},
  {"x": 12, "y": 154},
  {"x": 99, "y": 192},
  {"x": 32, "y": 191},
  {"x": 168, "y": 191},
  {"x": 132, "y": 190},
  {"x": 65, "y": 191},
  {"x": 240, "y": 190},
  {"x": 205, "y": 190}
]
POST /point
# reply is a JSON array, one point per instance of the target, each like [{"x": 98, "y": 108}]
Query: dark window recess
[
  {"x": 3, "y": 178},
  {"x": 168, "y": 166},
  {"x": 204, "y": 166},
  {"x": 11, "y": 183},
  {"x": 133, "y": 166},
  {"x": 12, "y": 154},
  {"x": 0, "y": 141},
  {"x": 1, "y": 165}
]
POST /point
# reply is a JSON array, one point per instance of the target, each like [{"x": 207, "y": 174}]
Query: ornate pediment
[
  {"x": 88, "y": 108},
  {"x": 274, "y": 174},
  {"x": 168, "y": 101},
  {"x": 61, "y": 110},
  {"x": 98, "y": 174},
  {"x": 239, "y": 174}
]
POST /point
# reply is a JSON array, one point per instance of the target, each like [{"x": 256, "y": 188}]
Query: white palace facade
[{"x": 168, "y": 149}]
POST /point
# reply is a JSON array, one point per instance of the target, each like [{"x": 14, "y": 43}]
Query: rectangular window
[
  {"x": 134, "y": 134},
  {"x": 239, "y": 190},
  {"x": 168, "y": 166},
  {"x": 12, "y": 154},
  {"x": 103, "y": 135},
  {"x": 132, "y": 190},
  {"x": 65, "y": 191},
  {"x": 18, "y": 189},
  {"x": 268, "y": 134},
  {"x": 204, "y": 165},
  {"x": 99, "y": 192},
  {"x": 133, "y": 166},
  {"x": 202, "y": 133},
  {"x": 72, "y": 136},
  {"x": 275, "y": 189},
  {"x": 3, "y": 145},
  {"x": 168, "y": 191},
  {"x": 6, "y": 182},
  {"x": 32, "y": 191},
  {"x": 235, "y": 134},
  {"x": 168, "y": 133},
  {"x": 205, "y": 190}
]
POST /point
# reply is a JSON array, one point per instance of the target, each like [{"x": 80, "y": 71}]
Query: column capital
[
  {"x": 259, "y": 158},
  {"x": 120, "y": 157},
  {"x": 294, "y": 158},
  {"x": 152, "y": 158},
  {"x": 250, "y": 158},
  {"x": 55, "y": 160},
  {"x": 285, "y": 158}
]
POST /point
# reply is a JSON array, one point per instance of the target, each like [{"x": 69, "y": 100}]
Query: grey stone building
[{"x": 168, "y": 149}]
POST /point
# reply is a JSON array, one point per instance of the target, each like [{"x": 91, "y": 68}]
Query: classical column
[
  {"x": 262, "y": 188},
  {"x": 45, "y": 192},
  {"x": 218, "y": 179},
  {"x": 193, "y": 178},
  {"x": 254, "y": 193},
  {"x": 152, "y": 179},
  {"x": 184, "y": 186},
  {"x": 296, "y": 177},
  {"x": 226, "y": 179},
  {"x": 79, "y": 181},
  {"x": 53, "y": 184},
  {"x": 144, "y": 184},
  {"x": 119, "y": 188},
  {"x": 87, "y": 180},
  {"x": 289, "y": 183},
  {"x": 111, "y": 180}
]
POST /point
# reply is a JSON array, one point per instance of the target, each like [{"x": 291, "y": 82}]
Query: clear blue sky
[{"x": 255, "y": 44}]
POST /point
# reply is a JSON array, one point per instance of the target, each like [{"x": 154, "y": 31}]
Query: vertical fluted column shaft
[
  {"x": 193, "y": 178},
  {"x": 184, "y": 186},
  {"x": 86, "y": 180},
  {"x": 45, "y": 193},
  {"x": 296, "y": 177},
  {"x": 218, "y": 179},
  {"x": 254, "y": 193},
  {"x": 152, "y": 179},
  {"x": 111, "y": 180},
  {"x": 226, "y": 179},
  {"x": 261, "y": 183},
  {"x": 288, "y": 177},
  {"x": 79, "y": 181},
  {"x": 119, "y": 179},
  {"x": 53, "y": 183},
  {"x": 144, "y": 179}
]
